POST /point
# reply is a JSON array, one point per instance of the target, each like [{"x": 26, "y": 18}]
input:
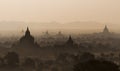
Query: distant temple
[
  {"x": 106, "y": 30},
  {"x": 47, "y": 33},
  {"x": 59, "y": 33},
  {"x": 27, "y": 40},
  {"x": 70, "y": 42}
]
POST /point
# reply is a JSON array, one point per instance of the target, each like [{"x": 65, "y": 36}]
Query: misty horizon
[
  {"x": 76, "y": 27},
  {"x": 67, "y": 16},
  {"x": 59, "y": 35}
]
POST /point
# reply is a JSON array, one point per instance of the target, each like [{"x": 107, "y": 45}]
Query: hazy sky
[{"x": 105, "y": 11}]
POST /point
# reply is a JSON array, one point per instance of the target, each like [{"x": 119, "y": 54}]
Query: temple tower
[{"x": 106, "y": 30}]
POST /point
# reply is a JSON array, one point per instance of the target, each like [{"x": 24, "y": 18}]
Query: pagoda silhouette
[
  {"x": 60, "y": 33},
  {"x": 27, "y": 40},
  {"x": 106, "y": 30},
  {"x": 70, "y": 42}
]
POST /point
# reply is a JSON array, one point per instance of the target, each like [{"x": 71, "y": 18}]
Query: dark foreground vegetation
[{"x": 63, "y": 62}]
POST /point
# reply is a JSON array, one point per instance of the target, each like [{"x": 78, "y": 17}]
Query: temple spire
[
  {"x": 27, "y": 31},
  {"x": 106, "y": 30},
  {"x": 70, "y": 40},
  {"x": 27, "y": 28},
  {"x": 47, "y": 33}
]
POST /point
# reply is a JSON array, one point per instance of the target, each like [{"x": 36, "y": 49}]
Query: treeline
[{"x": 63, "y": 62}]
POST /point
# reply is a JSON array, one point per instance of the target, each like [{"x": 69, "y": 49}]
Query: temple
[
  {"x": 106, "y": 30},
  {"x": 59, "y": 33},
  {"x": 27, "y": 40},
  {"x": 70, "y": 42}
]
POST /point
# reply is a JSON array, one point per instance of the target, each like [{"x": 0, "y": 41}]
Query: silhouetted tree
[
  {"x": 54, "y": 69},
  {"x": 40, "y": 67},
  {"x": 86, "y": 57},
  {"x": 61, "y": 59},
  {"x": 1, "y": 62},
  {"x": 29, "y": 62},
  {"x": 111, "y": 55},
  {"x": 12, "y": 59},
  {"x": 96, "y": 65}
]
